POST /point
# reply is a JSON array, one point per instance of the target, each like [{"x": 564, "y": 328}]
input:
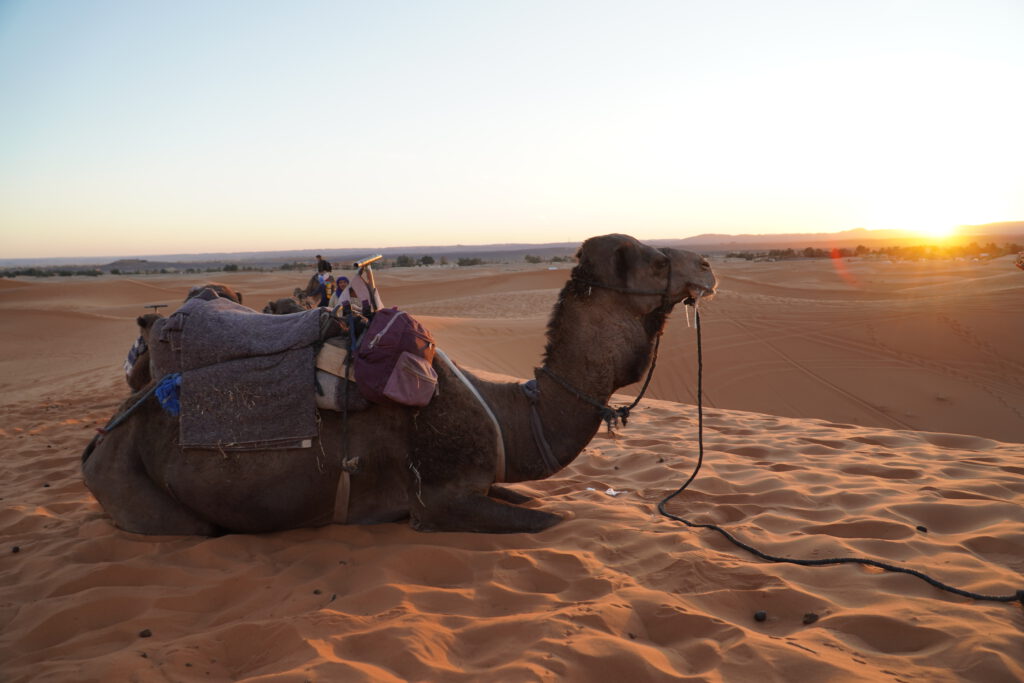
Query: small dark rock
[
  {"x": 632, "y": 636},
  {"x": 46, "y": 485},
  {"x": 317, "y": 591},
  {"x": 760, "y": 615},
  {"x": 16, "y": 549},
  {"x": 145, "y": 633},
  {"x": 144, "y": 656},
  {"x": 922, "y": 529},
  {"x": 810, "y": 618}
]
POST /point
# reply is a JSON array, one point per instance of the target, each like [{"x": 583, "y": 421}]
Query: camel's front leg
[
  {"x": 507, "y": 495},
  {"x": 443, "y": 509},
  {"x": 452, "y": 468}
]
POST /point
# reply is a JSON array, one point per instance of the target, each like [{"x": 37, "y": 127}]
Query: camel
[
  {"x": 137, "y": 372},
  {"x": 438, "y": 466},
  {"x": 284, "y": 306},
  {"x": 316, "y": 293}
]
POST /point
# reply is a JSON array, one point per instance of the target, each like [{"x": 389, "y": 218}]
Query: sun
[
  {"x": 935, "y": 220},
  {"x": 936, "y": 232}
]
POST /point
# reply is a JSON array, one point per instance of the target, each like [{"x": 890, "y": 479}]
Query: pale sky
[{"x": 133, "y": 127}]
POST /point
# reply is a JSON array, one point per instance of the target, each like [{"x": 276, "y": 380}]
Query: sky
[{"x": 132, "y": 127}]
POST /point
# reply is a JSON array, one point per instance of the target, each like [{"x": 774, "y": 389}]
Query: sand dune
[{"x": 855, "y": 408}]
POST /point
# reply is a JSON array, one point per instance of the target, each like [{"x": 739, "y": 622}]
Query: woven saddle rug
[{"x": 247, "y": 378}]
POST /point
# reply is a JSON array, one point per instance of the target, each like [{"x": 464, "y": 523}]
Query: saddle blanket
[{"x": 248, "y": 379}]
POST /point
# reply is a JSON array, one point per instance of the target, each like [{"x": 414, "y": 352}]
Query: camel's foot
[
  {"x": 475, "y": 512},
  {"x": 508, "y": 495}
]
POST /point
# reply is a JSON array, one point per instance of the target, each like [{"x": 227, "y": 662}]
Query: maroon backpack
[{"x": 394, "y": 359}]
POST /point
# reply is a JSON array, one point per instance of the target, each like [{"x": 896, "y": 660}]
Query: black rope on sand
[{"x": 1016, "y": 597}]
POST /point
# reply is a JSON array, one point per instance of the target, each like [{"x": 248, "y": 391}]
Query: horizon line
[{"x": 198, "y": 255}]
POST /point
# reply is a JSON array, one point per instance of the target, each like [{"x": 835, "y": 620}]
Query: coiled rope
[{"x": 1016, "y": 597}]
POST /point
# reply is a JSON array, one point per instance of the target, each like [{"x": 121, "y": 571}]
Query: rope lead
[{"x": 1018, "y": 596}]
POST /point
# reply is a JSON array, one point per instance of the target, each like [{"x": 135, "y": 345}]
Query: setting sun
[
  {"x": 928, "y": 222},
  {"x": 937, "y": 232},
  {"x": 934, "y": 213}
]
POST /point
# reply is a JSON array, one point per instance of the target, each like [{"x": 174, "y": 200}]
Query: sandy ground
[{"x": 854, "y": 408}]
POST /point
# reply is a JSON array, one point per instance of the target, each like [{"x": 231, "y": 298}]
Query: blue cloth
[{"x": 167, "y": 392}]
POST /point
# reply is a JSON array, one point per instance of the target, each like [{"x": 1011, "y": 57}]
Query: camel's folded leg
[
  {"x": 476, "y": 512},
  {"x": 507, "y": 495},
  {"x": 120, "y": 483}
]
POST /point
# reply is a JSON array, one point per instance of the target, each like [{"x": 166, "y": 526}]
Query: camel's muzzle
[{"x": 698, "y": 292}]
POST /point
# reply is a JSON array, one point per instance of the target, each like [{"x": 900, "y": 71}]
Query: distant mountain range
[
  {"x": 1011, "y": 231},
  {"x": 990, "y": 232}
]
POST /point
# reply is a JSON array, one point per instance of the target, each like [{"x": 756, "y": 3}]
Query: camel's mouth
[{"x": 696, "y": 293}]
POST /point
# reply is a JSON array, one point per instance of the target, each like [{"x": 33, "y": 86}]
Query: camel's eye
[{"x": 704, "y": 265}]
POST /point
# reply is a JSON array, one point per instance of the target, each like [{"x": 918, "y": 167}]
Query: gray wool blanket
[{"x": 247, "y": 378}]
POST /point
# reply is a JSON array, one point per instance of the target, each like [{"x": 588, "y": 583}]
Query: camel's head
[
  {"x": 145, "y": 323},
  {"x": 657, "y": 276},
  {"x": 283, "y": 306},
  {"x": 213, "y": 290}
]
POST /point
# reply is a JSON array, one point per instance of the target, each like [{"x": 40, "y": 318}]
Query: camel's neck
[{"x": 590, "y": 355}]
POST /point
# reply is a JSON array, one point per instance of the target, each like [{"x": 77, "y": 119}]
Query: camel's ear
[{"x": 141, "y": 322}]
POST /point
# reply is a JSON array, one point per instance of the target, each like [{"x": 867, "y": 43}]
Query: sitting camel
[
  {"x": 284, "y": 306},
  {"x": 437, "y": 466},
  {"x": 136, "y": 367}
]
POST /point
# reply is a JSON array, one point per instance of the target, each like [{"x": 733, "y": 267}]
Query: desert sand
[{"x": 853, "y": 408}]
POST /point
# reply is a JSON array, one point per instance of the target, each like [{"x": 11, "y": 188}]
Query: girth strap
[{"x": 532, "y": 392}]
